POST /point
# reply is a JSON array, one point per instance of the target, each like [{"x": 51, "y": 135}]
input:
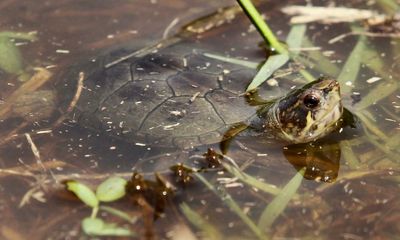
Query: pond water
[{"x": 350, "y": 188}]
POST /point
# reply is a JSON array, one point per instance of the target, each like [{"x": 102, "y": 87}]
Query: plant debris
[{"x": 307, "y": 14}]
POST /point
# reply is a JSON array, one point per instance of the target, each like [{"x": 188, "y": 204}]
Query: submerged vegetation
[
  {"x": 246, "y": 194},
  {"x": 10, "y": 56}
]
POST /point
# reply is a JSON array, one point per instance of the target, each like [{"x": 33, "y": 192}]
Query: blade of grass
[
  {"x": 208, "y": 230},
  {"x": 351, "y": 68},
  {"x": 384, "y": 148},
  {"x": 261, "y": 26},
  {"x": 271, "y": 65},
  {"x": 294, "y": 40},
  {"x": 323, "y": 65},
  {"x": 390, "y": 6},
  {"x": 275, "y": 62},
  {"x": 253, "y": 182},
  {"x": 230, "y": 202},
  {"x": 295, "y": 37},
  {"x": 308, "y": 76},
  {"x": 248, "y": 64},
  {"x": 278, "y": 205},
  {"x": 348, "y": 154},
  {"x": 376, "y": 94},
  {"x": 394, "y": 141},
  {"x": 349, "y": 176},
  {"x": 391, "y": 113},
  {"x": 370, "y": 125},
  {"x": 372, "y": 59},
  {"x": 119, "y": 214}
]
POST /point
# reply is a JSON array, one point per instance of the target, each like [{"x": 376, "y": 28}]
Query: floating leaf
[
  {"x": 97, "y": 227},
  {"x": 208, "y": 230},
  {"x": 270, "y": 66},
  {"x": 278, "y": 205},
  {"x": 10, "y": 57},
  {"x": 111, "y": 189},
  {"x": 83, "y": 192}
]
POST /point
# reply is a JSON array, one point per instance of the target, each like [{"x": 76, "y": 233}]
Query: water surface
[{"x": 351, "y": 182}]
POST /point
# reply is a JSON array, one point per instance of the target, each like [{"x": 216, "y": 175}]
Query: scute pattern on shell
[{"x": 175, "y": 96}]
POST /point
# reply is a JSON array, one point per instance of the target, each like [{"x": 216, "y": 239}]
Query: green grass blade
[
  {"x": 370, "y": 124},
  {"x": 119, "y": 214},
  {"x": 274, "y": 62},
  {"x": 295, "y": 37},
  {"x": 323, "y": 63},
  {"x": 207, "y": 229},
  {"x": 270, "y": 66},
  {"x": 253, "y": 182},
  {"x": 351, "y": 68},
  {"x": 261, "y": 26},
  {"x": 394, "y": 141},
  {"x": 379, "y": 92},
  {"x": 278, "y": 205},
  {"x": 383, "y": 147},
  {"x": 248, "y": 64},
  {"x": 307, "y": 76},
  {"x": 349, "y": 155},
  {"x": 390, "y": 6},
  {"x": 230, "y": 202},
  {"x": 294, "y": 40},
  {"x": 372, "y": 59}
]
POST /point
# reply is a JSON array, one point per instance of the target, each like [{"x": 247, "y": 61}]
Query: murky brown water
[{"x": 353, "y": 177}]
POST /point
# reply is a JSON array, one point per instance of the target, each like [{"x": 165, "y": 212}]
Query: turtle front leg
[{"x": 228, "y": 136}]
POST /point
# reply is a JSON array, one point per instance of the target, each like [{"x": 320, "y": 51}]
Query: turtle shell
[{"x": 174, "y": 96}]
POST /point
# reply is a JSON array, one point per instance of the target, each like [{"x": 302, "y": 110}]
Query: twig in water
[{"x": 169, "y": 28}]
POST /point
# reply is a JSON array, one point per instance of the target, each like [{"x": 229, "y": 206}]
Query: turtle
[{"x": 175, "y": 95}]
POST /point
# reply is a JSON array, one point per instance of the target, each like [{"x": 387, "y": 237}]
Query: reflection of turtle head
[{"x": 311, "y": 112}]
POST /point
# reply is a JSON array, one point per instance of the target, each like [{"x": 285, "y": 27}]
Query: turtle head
[{"x": 310, "y": 112}]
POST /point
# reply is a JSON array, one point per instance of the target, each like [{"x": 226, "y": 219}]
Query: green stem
[
  {"x": 261, "y": 26},
  {"x": 95, "y": 210}
]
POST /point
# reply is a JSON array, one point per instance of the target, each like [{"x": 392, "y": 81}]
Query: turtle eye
[{"x": 311, "y": 101}]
